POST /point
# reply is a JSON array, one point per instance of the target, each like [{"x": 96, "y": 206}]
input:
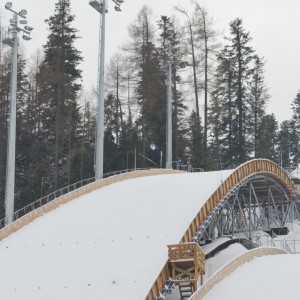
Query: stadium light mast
[
  {"x": 169, "y": 111},
  {"x": 11, "y": 39},
  {"x": 102, "y": 7}
]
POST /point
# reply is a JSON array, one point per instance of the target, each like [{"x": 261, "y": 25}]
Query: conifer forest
[{"x": 219, "y": 107}]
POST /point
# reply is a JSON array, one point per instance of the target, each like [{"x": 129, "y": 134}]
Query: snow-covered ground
[
  {"x": 273, "y": 277},
  {"x": 109, "y": 244}
]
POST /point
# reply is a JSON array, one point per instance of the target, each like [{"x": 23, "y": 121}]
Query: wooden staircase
[
  {"x": 185, "y": 289},
  {"x": 187, "y": 262}
]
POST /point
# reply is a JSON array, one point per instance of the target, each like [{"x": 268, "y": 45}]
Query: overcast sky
[{"x": 274, "y": 26}]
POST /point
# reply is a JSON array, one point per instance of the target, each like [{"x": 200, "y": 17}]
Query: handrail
[{"x": 50, "y": 197}]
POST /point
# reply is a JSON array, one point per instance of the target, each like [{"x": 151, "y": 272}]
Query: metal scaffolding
[{"x": 259, "y": 203}]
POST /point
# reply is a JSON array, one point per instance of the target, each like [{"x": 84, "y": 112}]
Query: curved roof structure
[
  {"x": 261, "y": 278},
  {"x": 111, "y": 242}
]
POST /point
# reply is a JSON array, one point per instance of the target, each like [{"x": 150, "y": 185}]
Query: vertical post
[
  {"x": 134, "y": 158},
  {"x": 250, "y": 236},
  {"x": 169, "y": 118},
  {"x": 100, "y": 111},
  {"x": 11, "y": 147}
]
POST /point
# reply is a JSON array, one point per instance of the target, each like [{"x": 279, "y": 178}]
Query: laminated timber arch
[{"x": 259, "y": 170}]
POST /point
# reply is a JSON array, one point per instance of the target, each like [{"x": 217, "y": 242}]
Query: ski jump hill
[{"x": 108, "y": 240}]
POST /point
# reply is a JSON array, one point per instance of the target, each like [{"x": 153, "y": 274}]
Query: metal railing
[
  {"x": 50, "y": 197},
  {"x": 46, "y": 199},
  {"x": 290, "y": 245}
]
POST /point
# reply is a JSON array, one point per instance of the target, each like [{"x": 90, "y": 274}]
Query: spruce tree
[
  {"x": 266, "y": 138},
  {"x": 285, "y": 144},
  {"x": 169, "y": 37},
  {"x": 295, "y": 130},
  {"x": 4, "y": 108},
  {"x": 150, "y": 85},
  {"x": 223, "y": 112},
  {"x": 257, "y": 103},
  {"x": 241, "y": 57},
  {"x": 60, "y": 82},
  {"x": 232, "y": 91}
]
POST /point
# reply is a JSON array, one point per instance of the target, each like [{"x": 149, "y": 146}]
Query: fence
[
  {"x": 50, "y": 197},
  {"x": 65, "y": 190}
]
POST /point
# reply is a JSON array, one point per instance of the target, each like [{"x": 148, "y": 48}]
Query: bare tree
[{"x": 192, "y": 41}]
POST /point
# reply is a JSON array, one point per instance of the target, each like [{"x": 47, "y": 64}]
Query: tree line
[{"x": 219, "y": 103}]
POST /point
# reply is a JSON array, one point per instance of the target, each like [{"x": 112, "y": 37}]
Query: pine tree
[
  {"x": 241, "y": 57},
  {"x": 285, "y": 143},
  {"x": 195, "y": 144},
  {"x": 60, "y": 82},
  {"x": 257, "y": 102},
  {"x": 223, "y": 112},
  {"x": 150, "y": 87},
  {"x": 231, "y": 92},
  {"x": 295, "y": 130},
  {"x": 169, "y": 37},
  {"x": 4, "y": 108},
  {"x": 115, "y": 86},
  {"x": 266, "y": 138}
]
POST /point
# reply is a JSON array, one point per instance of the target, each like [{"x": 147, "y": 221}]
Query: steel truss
[{"x": 257, "y": 203}]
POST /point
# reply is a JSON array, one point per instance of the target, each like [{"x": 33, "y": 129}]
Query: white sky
[{"x": 274, "y": 26}]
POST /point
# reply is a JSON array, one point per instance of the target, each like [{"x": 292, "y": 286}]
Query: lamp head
[
  {"x": 23, "y": 13},
  {"x": 28, "y": 28},
  {"x": 26, "y": 37},
  {"x": 8, "y": 5},
  {"x": 117, "y": 8}
]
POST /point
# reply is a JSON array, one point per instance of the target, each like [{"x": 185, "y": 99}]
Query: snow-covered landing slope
[
  {"x": 273, "y": 277},
  {"x": 109, "y": 244}
]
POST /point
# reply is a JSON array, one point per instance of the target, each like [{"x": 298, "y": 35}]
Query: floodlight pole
[
  {"x": 169, "y": 117},
  {"x": 100, "y": 6},
  {"x": 100, "y": 111},
  {"x": 11, "y": 144}
]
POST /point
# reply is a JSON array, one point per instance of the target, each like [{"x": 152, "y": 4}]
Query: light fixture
[
  {"x": 28, "y": 28},
  {"x": 183, "y": 64},
  {"x": 117, "y": 8},
  {"x": 26, "y": 37},
  {"x": 8, "y": 5},
  {"x": 23, "y": 13},
  {"x": 120, "y": 1},
  {"x": 23, "y": 22}
]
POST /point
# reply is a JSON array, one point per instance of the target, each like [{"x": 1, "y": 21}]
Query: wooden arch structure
[{"x": 244, "y": 173}]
